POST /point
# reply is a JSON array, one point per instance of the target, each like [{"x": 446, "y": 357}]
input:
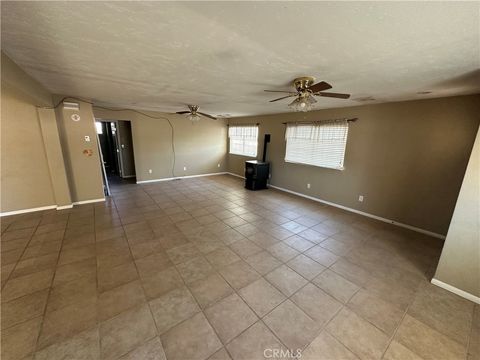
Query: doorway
[{"x": 116, "y": 144}]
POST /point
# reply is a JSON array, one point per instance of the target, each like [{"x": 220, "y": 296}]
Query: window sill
[{"x": 318, "y": 166}]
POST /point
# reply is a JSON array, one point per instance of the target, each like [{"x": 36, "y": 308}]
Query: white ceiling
[{"x": 222, "y": 55}]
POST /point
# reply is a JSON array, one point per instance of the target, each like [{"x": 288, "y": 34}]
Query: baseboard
[
  {"x": 63, "y": 207},
  {"x": 24, "y": 211},
  {"x": 88, "y": 201},
  {"x": 236, "y": 175},
  {"x": 456, "y": 291},
  {"x": 128, "y": 176},
  {"x": 389, "y": 221},
  {"x": 179, "y": 177}
]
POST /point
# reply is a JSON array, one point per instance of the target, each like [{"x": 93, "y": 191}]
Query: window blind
[
  {"x": 318, "y": 144},
  {"x": 243, "y": 139}
]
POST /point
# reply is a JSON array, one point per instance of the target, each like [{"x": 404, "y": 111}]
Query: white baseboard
[
  {"x": 128, "y": 176},
  {"x": 179, "y": 177},
  {"x": 393, "y": 222},
  {"x": 456, "y": 291},
  {"x": 24, "y": 211},
  {"x": 88, "y": 201},
  {"x": 63, "y": 207}
]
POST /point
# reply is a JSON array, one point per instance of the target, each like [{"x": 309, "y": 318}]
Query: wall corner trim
[
  {"x": 180, "y": 177},
  {"x": 24, "y": 211},
  {"x": 88, "y": 201},
  {"x": 456, "y": 291},
  {"x": 63, "y": 207}
]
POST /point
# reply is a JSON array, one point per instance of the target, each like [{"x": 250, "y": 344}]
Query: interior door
[{"x": 125, "y": 145}]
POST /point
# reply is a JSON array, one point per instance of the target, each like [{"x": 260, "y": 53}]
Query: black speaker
[{"x": 256, "y": 174}]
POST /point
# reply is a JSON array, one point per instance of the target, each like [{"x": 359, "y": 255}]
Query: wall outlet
[
  {"x": 360, "y": 198},
  {"x": 87, "y": 138},
  {"x": 184, "y": 168},
  {"x": 308, "y": 186},
  {"x": 218, "y": 165},
  {"x": 150, "y": 171}
]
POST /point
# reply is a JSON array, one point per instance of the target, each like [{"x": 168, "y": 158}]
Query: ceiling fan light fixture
[
  {"x": 303, "y": 103},
  {"x": 193, "y": 117}
]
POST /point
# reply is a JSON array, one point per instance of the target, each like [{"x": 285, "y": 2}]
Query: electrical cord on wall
[{"x": 124, "y": 109}]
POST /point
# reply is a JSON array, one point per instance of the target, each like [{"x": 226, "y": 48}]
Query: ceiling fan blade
[
  {"x": 281, "y": 91},
  {"x": 334, "y": 95},
  {"x": 182, "y": 112},
  {"x": 283, "y": 97},
  {"x": 206, "y": 115},
  {"x": 322, "y": 85}
]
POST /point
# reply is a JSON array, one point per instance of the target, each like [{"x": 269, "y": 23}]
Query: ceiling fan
[
  {"x": 194, "y": 114},
  {"x": 305, "y": 93}
]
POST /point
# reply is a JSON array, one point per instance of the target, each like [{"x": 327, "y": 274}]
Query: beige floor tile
[
  {"x": 336, "y": 246},
  {"x": 427, "y": 342},
  {"x": 85, "y": 345},
  {"x": 193, "y": 339},
  {"x": 358, "y": 335},
  {"x": 222, "y": 257},
  {"x": 245, "y": 248},
  {"x": 320, "y": 306},
  {"x": 326, "y": 347},
  {"x": 313, "y": 236},
  {"x": 153, "y": 264},
  {"x": 161, "y": 283},
  {"x": 305, "y": 266},
  {"x": 119, "y": 299},
  {"x": 23, "y": 308},
  {"x": 61, "y": 324},
  {"x": 27, "y": 284},
  {"x": 392, "y": 292},
  {"x": 335, "y": 285},
  {"x": 210, "y": 289},
  {"x": 286, "y": 280},
  {"x": 282, "y": 251},
  {"x": 109, "y": 278},
  {"x": 263, "y": 240},
  {"x": 74, "y": 271},
  {"x": 443, "y": 311},
  {"x": 298, "y": 243},
  {"x": 321, "y": 255},
  {"x": 263, "y": 262},
  {"x": 195, "y": 269},
  {"x": 173, "y": 308},
  {"x": 78, "y": 290},
  {"x": 352, "y": 272},
  {"x": 291, "y": 325},
  {"x": 126, "y": 332},
  {"x": 183, "y": 253},
  {"x": 258, "y": 342},
  {"x": 35, "y": 264},
  {"x": 397, "y": 351},
  {"x": 239, "y": 274},
  {"x": 380, "y": 313},
  {"x": 230, "y": 317},
  {"x": 76, "y": 254},
  {"x": 151, "y": 350},
  {"x": 221, "y": 354},
  {"x": 19, "y": 341},
  {"x": 261, "y": 296}
]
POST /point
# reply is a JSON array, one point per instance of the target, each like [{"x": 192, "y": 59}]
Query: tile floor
[{"x": 204, "y": 269}]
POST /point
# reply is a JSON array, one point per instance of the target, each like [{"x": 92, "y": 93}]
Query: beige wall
[
  {"x": 199, "y": 147},
  {"x": 25, "y": 177},
  {"x": 407, "y": 158},
  {"x": 459, "y": 264},
  {"x": 83, "y": 171}
]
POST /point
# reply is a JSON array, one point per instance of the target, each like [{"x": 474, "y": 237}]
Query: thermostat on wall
[{"x": 75, "y": 117}]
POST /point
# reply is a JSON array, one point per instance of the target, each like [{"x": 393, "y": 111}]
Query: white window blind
[
  {"x": 319, "y": 144},
  {"x": 243, "y": 139}
]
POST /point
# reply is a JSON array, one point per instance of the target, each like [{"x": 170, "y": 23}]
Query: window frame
[
  {"x": 313, "y": 124},
  {"x": 244, "y": 140}
]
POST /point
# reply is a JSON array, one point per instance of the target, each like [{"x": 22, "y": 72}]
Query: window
[
  {"x": 319, "y": 144},
  {"x": 243, "y": 139}
]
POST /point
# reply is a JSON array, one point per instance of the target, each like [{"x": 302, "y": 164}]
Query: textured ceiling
[{"x": 221, "y": 55}]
